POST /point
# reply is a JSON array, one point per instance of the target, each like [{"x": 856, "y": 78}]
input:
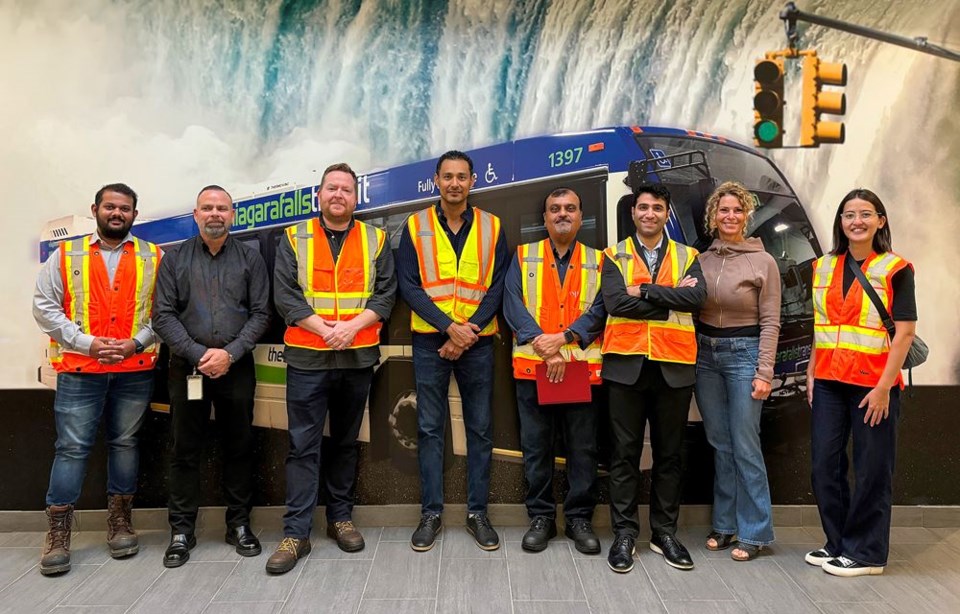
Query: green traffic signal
[{"x": 767, "y": 131}]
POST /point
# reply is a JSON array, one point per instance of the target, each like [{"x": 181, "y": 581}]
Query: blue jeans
[
  {"x": 474, "y": 373},
  {"x": 82, "y": 398},
  {"x": 731, "y": 417},
  {"x": 539, "y": 426},
  {"x": 857, "y": 526},
  {"x": 312, "y": 396}
]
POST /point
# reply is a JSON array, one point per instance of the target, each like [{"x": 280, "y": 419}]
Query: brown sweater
[{"x": 743, "y": 289}]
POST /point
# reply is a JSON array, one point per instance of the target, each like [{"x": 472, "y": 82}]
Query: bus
[{"x": 512, "y": 179}]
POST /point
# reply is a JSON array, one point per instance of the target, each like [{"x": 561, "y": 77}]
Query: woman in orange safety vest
[{"x": 853, "y": 385}]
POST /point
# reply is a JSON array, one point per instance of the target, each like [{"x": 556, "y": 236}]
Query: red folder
[{"x": 575, "y": 387}]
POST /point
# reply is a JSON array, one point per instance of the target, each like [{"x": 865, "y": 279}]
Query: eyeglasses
[{"x": 865, "y": 216}]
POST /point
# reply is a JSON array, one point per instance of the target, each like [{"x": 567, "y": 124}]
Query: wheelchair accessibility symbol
[{"x": 490, "y": 176}]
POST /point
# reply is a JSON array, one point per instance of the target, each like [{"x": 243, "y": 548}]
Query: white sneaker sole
[
  {"x": 816, "y": 561},
  {"x": 851, "y": 572}
]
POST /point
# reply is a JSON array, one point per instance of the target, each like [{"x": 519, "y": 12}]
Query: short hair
[
  {"x": 882, "y": 241},
  {"x": 119, "y": 188},
  {"x": 728, "y": 188},
  {"x": 341, "y": 167},
  {"x": 453, "y": 154},
  {"x": 657, "y": 190},
  {"x": 560, "y": 192},
  {"x": 213, "y": 188}
]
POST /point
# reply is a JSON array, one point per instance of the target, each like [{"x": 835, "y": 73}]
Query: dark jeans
[
  {"x": 857, "y": 526},
  {"x": 474, "y": 373},
  {"x": 650, "y": 398},
  {"x": 312, "y": 397},
  {"x": 577, "y": 422},
  {"x": 232, "y": 397},
  {"x": 82, "y": 400}
]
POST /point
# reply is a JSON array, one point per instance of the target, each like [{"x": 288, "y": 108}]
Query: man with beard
[
  {"x": 94, "y": 298},
  {"x": 451, "y": 263},
  {"x": 212, "y": 306},
  {"x": 553, "y": 305},
  {"x": 334, "y": 286}
]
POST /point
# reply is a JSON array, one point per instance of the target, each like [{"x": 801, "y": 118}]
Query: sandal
[
  {"x": 723, "y": 541},
  {"x": 752, "y": 551}
]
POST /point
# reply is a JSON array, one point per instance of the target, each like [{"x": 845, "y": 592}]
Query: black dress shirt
[
  {"x": 205, "y": 300},
  {"x": 293, "y": 307}
]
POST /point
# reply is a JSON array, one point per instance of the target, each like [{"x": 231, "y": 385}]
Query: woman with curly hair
[{"x": 737, "y": 342}]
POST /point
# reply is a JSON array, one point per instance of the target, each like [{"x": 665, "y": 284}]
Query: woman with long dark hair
[
  {"x": 737, "y": 336},
  {"x": 853, "y": 385}
]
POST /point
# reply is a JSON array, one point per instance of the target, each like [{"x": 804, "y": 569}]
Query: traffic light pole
[{"x": 791, "y": 15}]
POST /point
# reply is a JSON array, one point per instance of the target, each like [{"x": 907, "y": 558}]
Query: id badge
[{"x": 194, "y": 387}]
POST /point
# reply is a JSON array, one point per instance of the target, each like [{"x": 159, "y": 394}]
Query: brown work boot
[
  {"x": 56, "y": 547},
  {"x": 287, "y": 554},
  {"x": 121, "y": 537},
  {"x": 348, "y": 537}
]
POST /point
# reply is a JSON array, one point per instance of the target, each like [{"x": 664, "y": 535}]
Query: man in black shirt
[
  {"x": 211, "y": 307},
  {"x": 334, "y": 285}
]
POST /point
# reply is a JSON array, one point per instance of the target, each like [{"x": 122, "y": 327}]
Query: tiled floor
[{"x": 923, "y": 576}]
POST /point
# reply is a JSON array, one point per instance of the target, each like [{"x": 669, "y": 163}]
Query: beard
[
  {"x": 114, "y": 234},
  {"x": 215, "y": 230}
]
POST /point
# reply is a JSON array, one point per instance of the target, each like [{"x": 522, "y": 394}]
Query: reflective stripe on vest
[
  {"x": 555, "y": 308},
  {"x": 673, "y": 340},
  {"x": 848, "y": 333},
  {"x": 337, "y": 291},
  {"x": 104, "y": 310},
  {"x": 455, "y": 286}
]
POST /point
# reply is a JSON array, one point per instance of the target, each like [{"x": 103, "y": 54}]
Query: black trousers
[
  {"x": 232, "y": 398},
  {"x": 666, "y": 408},
  {"x": 312, "y": 397}
]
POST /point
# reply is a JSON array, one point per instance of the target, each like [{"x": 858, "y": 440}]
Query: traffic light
[
  {"x": 768, "y": 103},
  {"x": 815, "y": 101}
]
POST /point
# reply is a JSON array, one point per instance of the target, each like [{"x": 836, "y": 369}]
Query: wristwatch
[
  {"x": 568, "y": 336},
  {"x": 230, "y": 356},
  {"x": 138, "y": 347},
  {"x": 644, "y": 291}
]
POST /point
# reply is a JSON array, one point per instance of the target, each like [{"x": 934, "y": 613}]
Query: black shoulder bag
[{"x": 917, "y": 354}]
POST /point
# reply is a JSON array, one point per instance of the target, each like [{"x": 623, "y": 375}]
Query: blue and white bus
[{"x": 512, "y": 180}]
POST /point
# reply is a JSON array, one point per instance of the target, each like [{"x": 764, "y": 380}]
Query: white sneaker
[
  {"x": 848, "y": 568},
  {"x": 817, "y": 557}
]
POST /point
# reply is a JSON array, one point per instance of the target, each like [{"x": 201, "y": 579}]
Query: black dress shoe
[
  {"x": 243, "y": 538},
  {"x": 178, "y": 552},
  {"x": 538, "y": 536},
  {"x": 426, "y": 534},
  {"x": 620, "y": 558},
  {"x": 580, "y": 530},
  {"x": 672, "y": 550},
  {"x": 479, "y": 526}
]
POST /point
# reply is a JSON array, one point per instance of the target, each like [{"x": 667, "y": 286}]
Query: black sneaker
[
  {"x": 479, "y": 526},
  {"x": 817, "y": 557},
  {"x": 542, "y": 530},
  {"x": 672, "y": 550},
  {"x": 848, "y": 568},
  {"x": 620, "y": 558},
  {"x": 426, "y": 533},
  {"x": 581, "y": 532}
]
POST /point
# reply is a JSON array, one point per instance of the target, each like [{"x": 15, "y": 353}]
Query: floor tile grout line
[
  {"x": 724, "y": 583},
  {"x": 155, "y": 580},
  {"x": 576, "y": 568},
  {"x": 506, "y": 562},
  {"x": 795, "y": 583},
  {"x": 646, "y": 572},
  {"x": 220, "y": 588},
  {"x": 366, "y": 581},
  {"x": 436, "y": 594}
]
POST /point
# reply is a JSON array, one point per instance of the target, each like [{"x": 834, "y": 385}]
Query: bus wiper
[{"x": 640, "y": 171}]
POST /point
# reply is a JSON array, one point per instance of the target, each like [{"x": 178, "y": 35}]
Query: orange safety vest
[
  {"x": 337, "y": 291},
  {"x": 672, "y": 340},
  {"x": 104, "y": 310},
  {"x": 848, "y": 333},
  {"x": 456, "y": 287},
  {"x": 556, "y": 307}
]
